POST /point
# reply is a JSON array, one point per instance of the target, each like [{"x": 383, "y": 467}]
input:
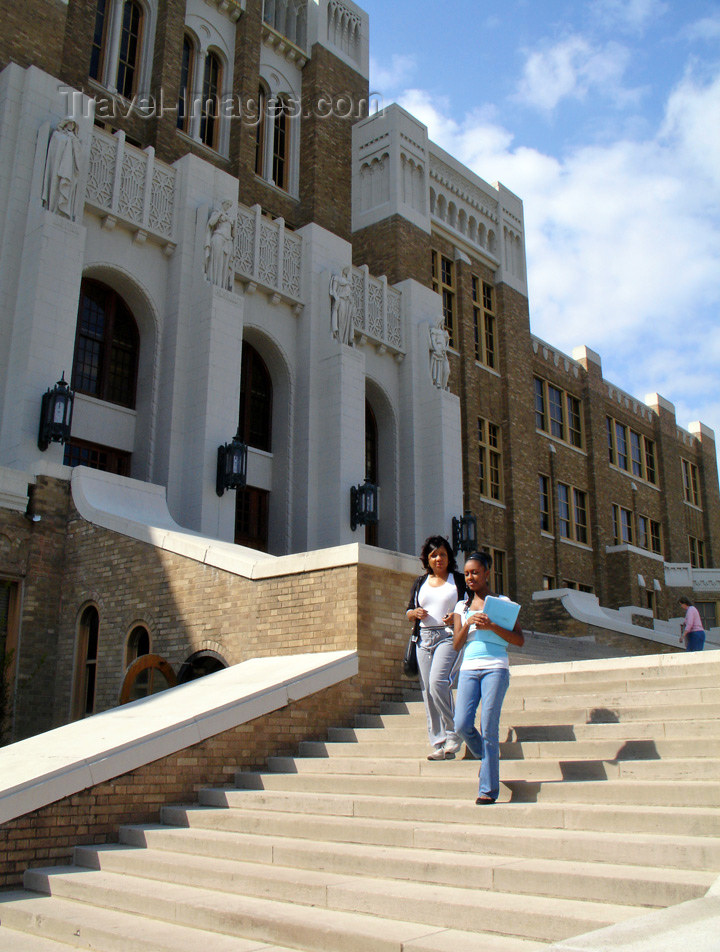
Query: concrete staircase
[{"x": 609, "y": 808}]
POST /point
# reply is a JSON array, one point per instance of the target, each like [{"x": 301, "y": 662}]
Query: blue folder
[{"x": 501, "y": 611}]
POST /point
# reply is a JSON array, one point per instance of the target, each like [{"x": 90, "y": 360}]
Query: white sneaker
[
  {"x": 452, "y": 746},
  {"x": 437, "y": 754}
]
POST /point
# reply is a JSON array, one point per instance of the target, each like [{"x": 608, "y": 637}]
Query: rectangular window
[
  {"x": 558, "y": 413},
  {"x": 581, "y": 521},
  {"x": 483, "y": 322},
  {"x": 557, "y": 417},
  {"x": 631, "y": 451},
  {"x": 655, "y": 538},
  {"x": 490, "y": 460},
  {"x": 697, "y": 552},
  {"x": 540, "y": 413},
  {"x": 643, "y": 532},
  {"x": 691, "y": 485},
  {"x": 444, "y": 284},
  {"x": 498, "y": 558},
  {"x": 548, "y": 582},
  {"x": 563, "y": 510},
  {"x": 545, "y": 516},
  {"x": 708, "y": 614},
  {"x": 622, "y": 525}
]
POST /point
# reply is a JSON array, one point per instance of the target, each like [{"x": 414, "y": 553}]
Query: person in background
[
  {"x": 432, "y": 601},
  {"x": 692, "y": 633},
  {"x": 484, "y": 674}
]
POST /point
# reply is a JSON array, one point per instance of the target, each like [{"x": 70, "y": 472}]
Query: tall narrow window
[
  {"x": 281, "y": 143},
  {"x": 86, "y": 663},
  {"x": 260, "y": 131},
  {"x": 545, "y": 515},
  {"x": 443, "y": 282},
  {"x": 252, "y": 508},
  {"x": 255, "y": 423},
  {"x": 371, "y": 465},
  {"x": 621, "y": 445},
  {"x": 483, "y": 322},
  {"x": 210, "y": 106},
  {"x": 186, "y": 84},
  {"x": 691, "y": 485},
  {"x": 580, "y": 501},
  {"x": 557, "y": 417},
  {"x": 129, "y": 58},
  {"x": 97, "y": 54},
  {"x": 106, "y": 346},
  {"x": 489, "y": 460},
  {"x": 563, "y": 510}
]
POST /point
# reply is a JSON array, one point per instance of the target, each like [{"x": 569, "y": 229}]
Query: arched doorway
[{"x": 255, "y": 427}]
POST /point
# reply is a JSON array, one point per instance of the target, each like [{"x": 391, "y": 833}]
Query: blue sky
[{"x": 604, "y": 117}]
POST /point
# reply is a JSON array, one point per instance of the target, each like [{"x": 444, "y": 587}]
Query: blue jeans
[
  {"x": 488, "y": 688},
  {"x": 695, "y": 640}
]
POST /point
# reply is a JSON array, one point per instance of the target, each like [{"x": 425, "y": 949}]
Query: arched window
[
  {"x": 86, "y": 663},
  {"x": 200, "y": 664},
  {"x": 150, "y": 674},
  {"x": 210, "y": 106},
  {"x": 106, "y": 346},
  {"x": 371, "y": 465},
  {"x": 255, "y": 420},
  {"x": 186, "y": 84},
  {"x": 138, "y": 644},
  {"x": 115, "y": 54},
  {"x": 260, "y": 131}
]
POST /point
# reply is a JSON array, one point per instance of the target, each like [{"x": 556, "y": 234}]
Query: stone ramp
[{"x": 610, "y": 808}]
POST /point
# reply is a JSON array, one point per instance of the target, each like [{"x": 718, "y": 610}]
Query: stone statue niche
[
  {"x": 220, "y": 246},
  {"x": 62, "y": 169},
  {"x": 341, "y": 316}
]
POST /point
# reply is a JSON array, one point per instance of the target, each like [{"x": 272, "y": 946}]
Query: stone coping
[
  {"x": 58, "y": 763},
  {"x": 664, "y": 663},
  {"x": 585, "y": 607},
  {"x": 139, "y": 510}
]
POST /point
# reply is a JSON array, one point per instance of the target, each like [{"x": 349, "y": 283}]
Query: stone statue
[
  {"x": 219, "y": 242},
  {"x": 341, "y": 319},
  {"x": 439, "y": 363},
  {"x": 62, "y": 169}
]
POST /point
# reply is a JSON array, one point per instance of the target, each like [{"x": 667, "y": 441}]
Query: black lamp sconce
[
  {"x": 231, "y": 465},
  {"x": 363, "y": 505},
  {"x": 464, "y": 533},
  {"x": 56, "y": 412}
]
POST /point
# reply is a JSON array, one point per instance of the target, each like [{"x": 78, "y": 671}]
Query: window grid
[
  {"x": 690, "y": 482},
  {"x": 97, "y": 54},
  {"x": 129, "y": 58},
  {"x": 483, "y": 322},
  {"x": 631, "y": 451},
  {"x": 558, "y": 413},
  {"x": 443, "y": 282},
  {"x": 572, "y": 520},
  {"x": 490, "y": 460},
  {"x": 622, "y": 526},
  {"x": 545, "y": 514},
  {"x": 186, "y": 84},
  {"x": 697, "y": 552},
  {"x": 210, "y": 107}
]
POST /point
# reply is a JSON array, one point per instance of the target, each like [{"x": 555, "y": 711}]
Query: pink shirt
[{"x": 692, "y": 620}]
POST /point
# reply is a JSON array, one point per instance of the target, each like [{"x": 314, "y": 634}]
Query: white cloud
[
  {"x": 623, "y": 242},
  {"x": 570, "y": 70},
  {"x": 706, "y": 29},
  {"x": 631, "y": 15},
  {"x": 387, "y": 78}
]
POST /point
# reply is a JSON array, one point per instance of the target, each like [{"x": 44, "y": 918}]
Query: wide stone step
[
  {"x": 444, "y": 785},
  {"x": 602, "y": 846},
  {"x": 301, "y": 861},
  {"x": 366, "y": 907},
  {"x": 590, "y": 714},
  {"x": 598, "y": 749},
  {"x": 56, "y": 925},
  {"x": 527, "y": 683},
  {"x": 688, "y": 821},
  {"x": 570, "y": 768},
  {"x": 648, "y": 672},
  {"x": 553, "y": 730}
]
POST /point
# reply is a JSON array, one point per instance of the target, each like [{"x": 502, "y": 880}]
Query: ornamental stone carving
[
  {"x": 219, "y": 246},
  {"x": 439, "y": 340},
  {"x": 341, "y": 306},
  {"x": 62, "y": 169}
]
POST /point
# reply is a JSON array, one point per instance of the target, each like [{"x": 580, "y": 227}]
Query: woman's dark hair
[
  {"x": 685, "y": 601},
  {"x": 437, "y": 542},
  {"x": 485, "y": 559}
]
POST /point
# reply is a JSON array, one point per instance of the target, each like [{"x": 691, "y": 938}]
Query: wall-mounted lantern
[
  {"x": 363, "y": 505},
  {"x": 56, "y": 414},
  {"x": 231, "y": 465},
  {"x": 464, "y": 533}
]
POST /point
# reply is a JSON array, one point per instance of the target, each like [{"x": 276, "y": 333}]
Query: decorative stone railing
[
  {"x": 130, "y": 185},
  {"x": 267, "y": 254},
  {"x": 376, "y": 311}
]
